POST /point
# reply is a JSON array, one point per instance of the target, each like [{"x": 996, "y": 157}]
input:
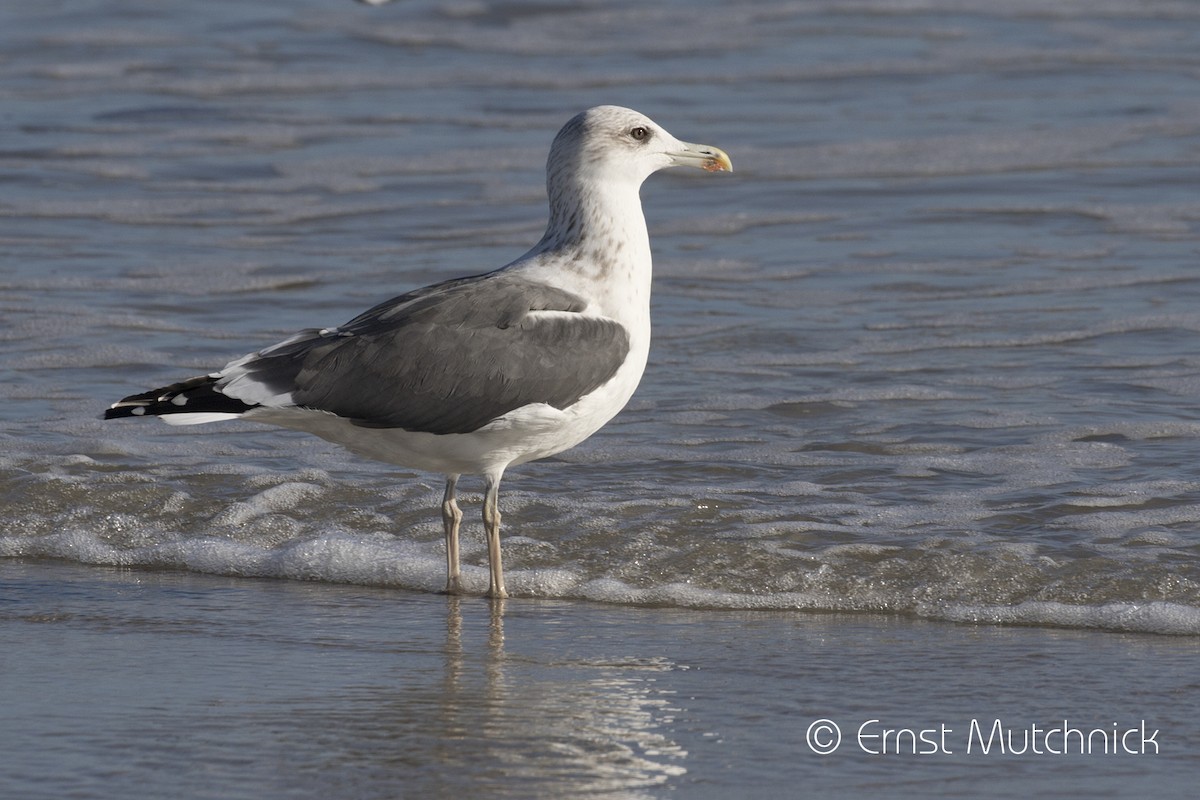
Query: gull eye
[{"x": 639, "y": 134}]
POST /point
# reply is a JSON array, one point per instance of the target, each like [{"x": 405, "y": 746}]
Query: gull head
[{"x": 614, "y": 144}]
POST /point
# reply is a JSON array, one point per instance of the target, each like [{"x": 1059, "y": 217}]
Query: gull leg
[
  {"x": 451, "y": 517},
  {"x": 491, "y": 524}
]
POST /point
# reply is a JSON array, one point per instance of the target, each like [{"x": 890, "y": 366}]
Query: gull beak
[{"x": 706, "y": 157}]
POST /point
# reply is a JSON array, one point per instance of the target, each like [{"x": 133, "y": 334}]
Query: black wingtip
[
  {"x": 195, "y": 395},
  {"x": 122, "y": 409}
]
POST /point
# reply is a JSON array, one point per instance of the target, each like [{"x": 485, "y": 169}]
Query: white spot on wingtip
[
  {"x": 179, "y": 400},
  {"x": 139, "y": 411}
]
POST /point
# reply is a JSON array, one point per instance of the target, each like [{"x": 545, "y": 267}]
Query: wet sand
[{"x": 148, "y": 683}]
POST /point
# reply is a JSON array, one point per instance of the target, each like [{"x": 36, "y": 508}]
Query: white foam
[
  {"x": 1149, "y": 617},
  {"x": 275, "y": 498},
  {"x": 834, "y": 580}
]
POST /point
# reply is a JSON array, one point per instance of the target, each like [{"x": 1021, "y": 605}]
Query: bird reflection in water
[{"x": 581, "y": 724}]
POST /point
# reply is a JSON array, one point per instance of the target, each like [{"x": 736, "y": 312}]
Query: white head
[
  {"x": 597, "y": 164},
  {"x": 614, "y": 144}
]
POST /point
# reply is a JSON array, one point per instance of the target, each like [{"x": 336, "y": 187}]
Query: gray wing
[{"x": 449, "y": 358}]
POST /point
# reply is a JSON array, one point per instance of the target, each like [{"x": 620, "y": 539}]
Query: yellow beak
[{"x": 706, "y": 157}]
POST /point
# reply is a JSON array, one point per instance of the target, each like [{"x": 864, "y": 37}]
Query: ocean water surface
[{"x": 930, "y": 352}]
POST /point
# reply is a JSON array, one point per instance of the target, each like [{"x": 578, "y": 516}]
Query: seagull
[{"x": 474, "y": 375}]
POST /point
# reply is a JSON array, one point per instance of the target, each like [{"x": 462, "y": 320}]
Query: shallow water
[{"x": 929, "y": 351}]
